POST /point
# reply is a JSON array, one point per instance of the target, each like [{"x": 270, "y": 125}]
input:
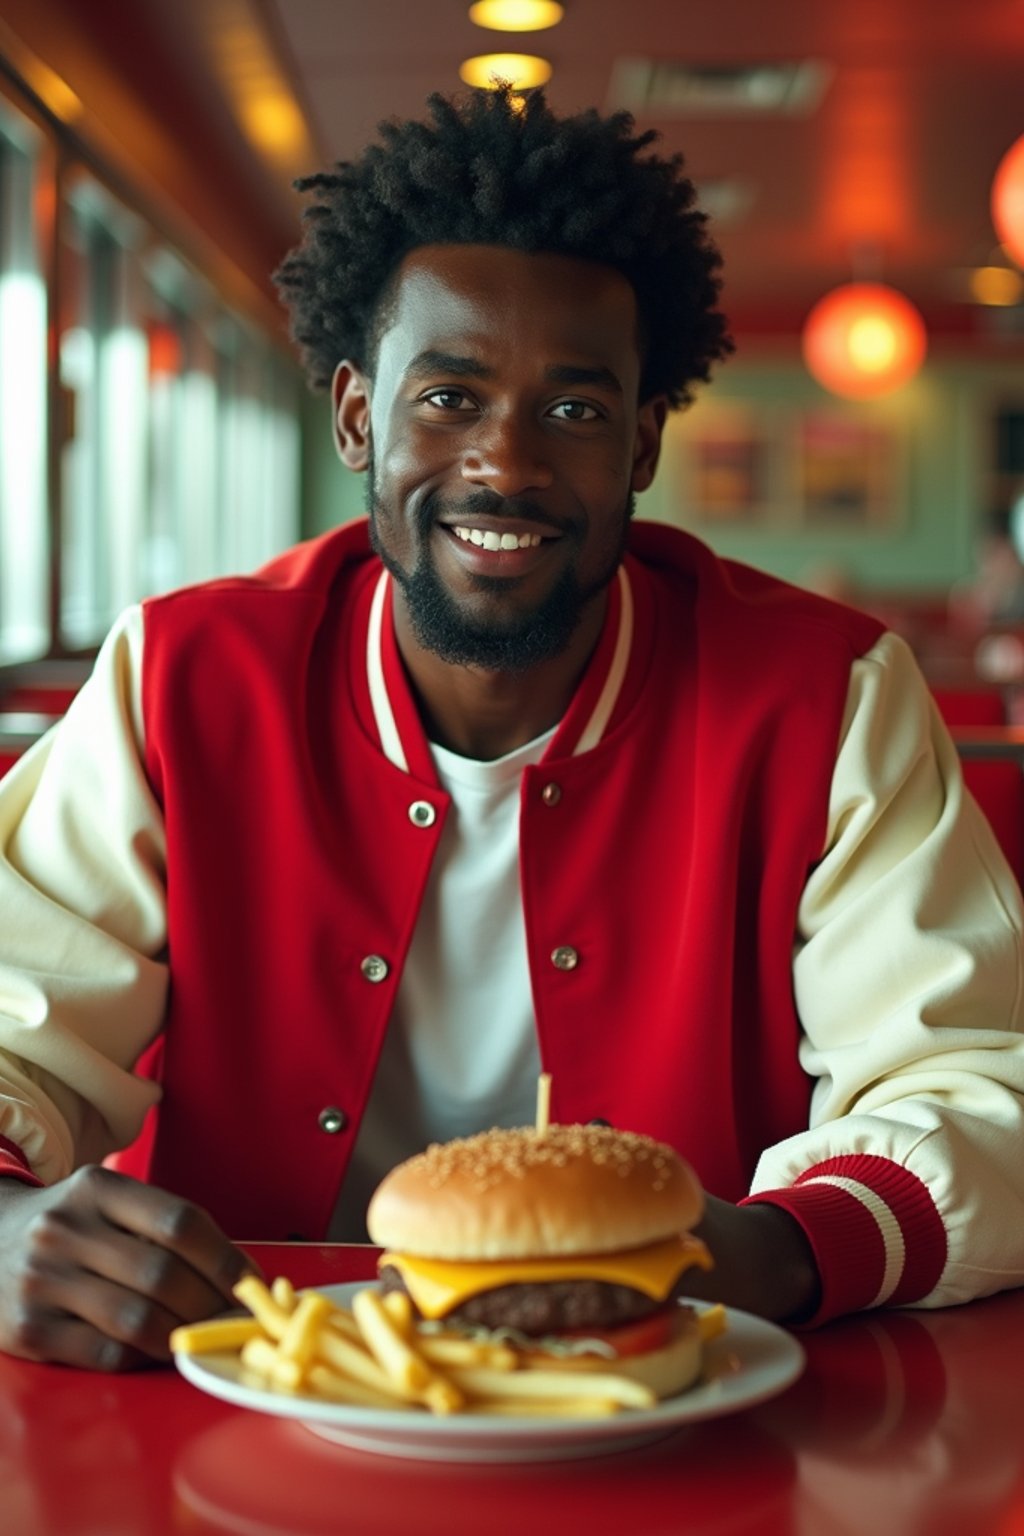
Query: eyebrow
[
  {"x": 570, "y": 373},
  {"x": 430, "y": 362},
  {"x": 424, "y": 364}
]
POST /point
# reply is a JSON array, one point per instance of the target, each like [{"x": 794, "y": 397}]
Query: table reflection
[
  {"x": 903, "y": 1424},
  {"x": 274, "y": 1477},
  {"x": 911, "y": 1423},
  {"x": 84, "y": 1452}
]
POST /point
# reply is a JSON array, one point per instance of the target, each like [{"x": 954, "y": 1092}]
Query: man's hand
[
  {"x": 763, "y": 1262},
  {"x": 96, "y": 1270}
]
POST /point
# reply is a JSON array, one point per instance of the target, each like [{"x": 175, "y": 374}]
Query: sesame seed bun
[{"x": 512, "y": 1194}]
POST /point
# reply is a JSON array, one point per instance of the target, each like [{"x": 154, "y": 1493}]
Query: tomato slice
[{"x": 639, "y": 1337}]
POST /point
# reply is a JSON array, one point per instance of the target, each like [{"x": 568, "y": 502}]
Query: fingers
[
  {"x": 61, "y": 1339},
  {"x": 127, "y": 1287},
  {"x": 98, "y": 1270},
  {"x": 182, "y": 1230},
  {"x": 127, "y": 1327}
]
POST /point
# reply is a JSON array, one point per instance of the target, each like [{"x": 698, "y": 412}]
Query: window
[
  {"x": 180, "y": 457},
  {"x": 149, "y": 431},
  {"x": 24, "y": 511}
]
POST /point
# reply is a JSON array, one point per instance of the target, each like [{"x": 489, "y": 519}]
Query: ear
[
  {"x": 650, "y": 423},
  {"x": 350, "y": 419}
]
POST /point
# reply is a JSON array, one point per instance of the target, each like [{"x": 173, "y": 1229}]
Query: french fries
[
  {"x": 372, "y": 1356},
  {"x": 395, "y": 1354}
]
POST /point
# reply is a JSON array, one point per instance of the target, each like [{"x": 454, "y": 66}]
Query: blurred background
[{"x": 155, "y": 429}]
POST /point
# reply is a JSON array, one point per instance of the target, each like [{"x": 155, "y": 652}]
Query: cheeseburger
[{"x": 569, "y": 1244}]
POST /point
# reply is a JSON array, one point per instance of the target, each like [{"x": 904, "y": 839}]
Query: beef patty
[{"x": 544, "y": 1306}]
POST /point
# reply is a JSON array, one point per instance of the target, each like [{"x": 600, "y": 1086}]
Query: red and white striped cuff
[
  {"x": 876, "y": 1235},
  {"x": 14, "y": 1163}
]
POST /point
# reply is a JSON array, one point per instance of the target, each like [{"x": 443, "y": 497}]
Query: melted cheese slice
[{"x": 437, "y": 1286}]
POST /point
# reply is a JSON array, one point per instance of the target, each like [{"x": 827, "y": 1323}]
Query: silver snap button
[
  {"x": 374, "y": 967},
  {"x": 422, "y": 813},
  {"x": 564, "y": 958},
  {"x": 332, "y": 1120},
  {"x": 551, "y": 794}
]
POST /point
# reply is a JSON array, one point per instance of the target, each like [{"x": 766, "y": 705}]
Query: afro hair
[{"x": 496, "y": 169}]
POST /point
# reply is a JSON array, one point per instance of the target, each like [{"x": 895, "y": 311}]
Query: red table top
[{"x": 903, "y": 1424}]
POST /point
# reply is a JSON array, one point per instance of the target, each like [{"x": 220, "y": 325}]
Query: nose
[{"x": 509, "y": 456}]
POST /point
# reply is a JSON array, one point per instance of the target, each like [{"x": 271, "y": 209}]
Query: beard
[{"x": 505, "y": 641}]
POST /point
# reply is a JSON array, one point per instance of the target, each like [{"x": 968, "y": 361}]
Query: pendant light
[
  {"x": 864, "y": 339},
  {"x": 1008, "y": 201}
]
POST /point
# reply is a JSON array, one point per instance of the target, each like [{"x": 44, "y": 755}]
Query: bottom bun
[{"x": 666, "y": 1371}]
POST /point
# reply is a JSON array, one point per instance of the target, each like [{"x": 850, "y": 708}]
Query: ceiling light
[
  {"x": 1008, "y": 201},
  {"x": 521, "y": 71},
  {"x": 274, "y": 123},
  {"x": 1000, "y": 286},
  {"x": 52, "y": 90},
  {"x": 516, "y": 15},
  {"x": 864, "y": 339},
  {"x": 251, "y": 78}
]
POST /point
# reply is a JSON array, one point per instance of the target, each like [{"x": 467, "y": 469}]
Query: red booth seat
[
  {"x": 30, "y": 704},
  {"x": 997, "y": 784},
  {"x": 37, "y": 699}
]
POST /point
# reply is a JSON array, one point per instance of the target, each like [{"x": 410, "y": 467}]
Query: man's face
[{"x": 505, "y": 443}]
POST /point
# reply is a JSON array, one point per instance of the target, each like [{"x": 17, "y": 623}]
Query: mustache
[{"x": 484, "y": 503}]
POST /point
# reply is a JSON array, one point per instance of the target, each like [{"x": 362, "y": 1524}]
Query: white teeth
[{"x": 492, "y": 540}]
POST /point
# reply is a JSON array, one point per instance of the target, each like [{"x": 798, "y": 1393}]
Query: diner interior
[
  {"x": 155, "y": 428},
  {"x": 862, "y": 165}
]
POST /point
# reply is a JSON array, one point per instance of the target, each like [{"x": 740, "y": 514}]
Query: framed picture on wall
[
  {"x": 848, "y": 471},
  {"x": 728, "y": 463}
]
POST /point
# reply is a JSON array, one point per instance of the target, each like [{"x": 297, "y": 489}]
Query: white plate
[{"x": 753, "y": 1360}]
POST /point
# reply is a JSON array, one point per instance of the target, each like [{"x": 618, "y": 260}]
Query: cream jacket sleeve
[
  {"x": 83, "y": 976},
  {"x": 908, "y": 979}
]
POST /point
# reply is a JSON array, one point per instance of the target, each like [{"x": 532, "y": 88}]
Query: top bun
[{"x": 518, "y": 1195}]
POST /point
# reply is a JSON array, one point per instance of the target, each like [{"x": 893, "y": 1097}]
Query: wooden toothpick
[{"x": 543, "y": 1102}]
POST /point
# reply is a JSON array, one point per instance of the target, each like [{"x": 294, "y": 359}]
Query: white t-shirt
[{"x": 461, "y": 1046}]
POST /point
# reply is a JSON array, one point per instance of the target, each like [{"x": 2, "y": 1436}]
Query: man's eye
[
  {"x": 574, "y": 410},
  {"x": 449, "y": 400}
]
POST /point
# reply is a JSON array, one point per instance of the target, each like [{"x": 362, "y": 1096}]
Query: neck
[{"x": 485, "y": 714}]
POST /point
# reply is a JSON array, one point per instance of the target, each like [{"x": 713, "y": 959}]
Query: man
[{"x": 526, "y": 785}]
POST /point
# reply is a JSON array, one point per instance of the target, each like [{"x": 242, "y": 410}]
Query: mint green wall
[
  {"x": 331, "y": 494},
  {"x": 940, "y": 425},
  {"x": 941, "y": 428}
]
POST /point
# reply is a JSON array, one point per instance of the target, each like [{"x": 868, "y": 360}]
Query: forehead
[{"x": 481, "y": 299}]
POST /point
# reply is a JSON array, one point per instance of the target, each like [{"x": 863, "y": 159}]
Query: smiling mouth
[{"x": 489, "y": 539}]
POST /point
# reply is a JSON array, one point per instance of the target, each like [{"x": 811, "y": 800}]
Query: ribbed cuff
[
  {"x": 14, "y": 1164},
  {"x": 876, "y": 1235}
]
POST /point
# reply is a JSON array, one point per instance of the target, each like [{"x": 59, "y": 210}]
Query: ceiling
[{"x": 884, "y": 171}]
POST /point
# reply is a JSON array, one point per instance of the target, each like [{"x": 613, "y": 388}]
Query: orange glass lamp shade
[
  {"x": 1008, "y": 201},
  {"x": 864, "y": 339}
]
